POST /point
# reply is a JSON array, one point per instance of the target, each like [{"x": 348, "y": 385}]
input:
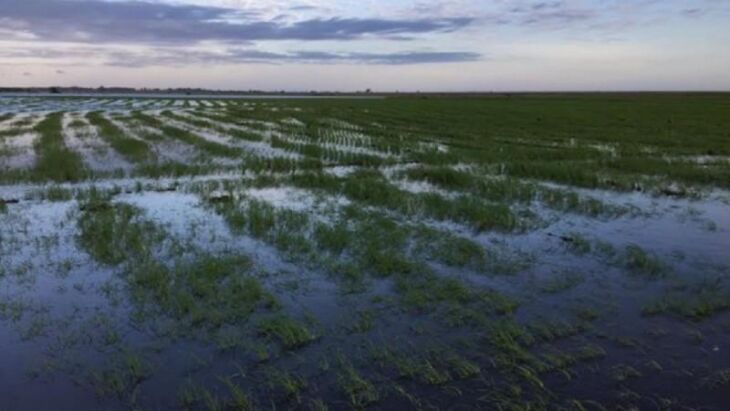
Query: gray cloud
[
  {"x": 135, "y": 22},
  {"x": 609, "y": 16},
  {"x": 175, "y": 57},
  {"x": 552, "y": 13},
  {"x": 180, "y": 56},
  {"x": 45, "y": 53}
]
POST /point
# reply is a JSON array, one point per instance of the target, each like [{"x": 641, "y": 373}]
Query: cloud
[
  {"x": 696, "y": 12},
  {"x": 136, "y": 22},
  {"x": 43, "y": 53},
  {"x": 176, "y": 57},
  {"x": 553, "y": 13},
  {"x": 182, "y": 56},
  {"x": 602, "y": 16},
  {"x": 134, "y": 33}
]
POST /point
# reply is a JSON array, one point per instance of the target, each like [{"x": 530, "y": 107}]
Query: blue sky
[{"x": 449, "y": 45}]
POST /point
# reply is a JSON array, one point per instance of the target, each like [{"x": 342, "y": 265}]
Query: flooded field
[{"x": 509, "y": 253}]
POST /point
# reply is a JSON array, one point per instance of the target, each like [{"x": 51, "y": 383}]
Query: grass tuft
[{"x": 290, "y": 333}]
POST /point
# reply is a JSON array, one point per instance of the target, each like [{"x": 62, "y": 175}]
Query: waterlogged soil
[{"x": 263, "y": 288}]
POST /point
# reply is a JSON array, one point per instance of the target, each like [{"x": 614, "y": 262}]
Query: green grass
[
  {"x": 695, "y": 303},
  {"x": 444, "y": 177},
  {"x": 196, "y": 120},
  {"x": 237, "y": 133},
  {"x": 291, "y": 385},
  {"x": 642, "y": 263},
  {"x": 450, "y": 249},
  {"x": 360, "y": 392},
  {"x": 578, "y": 244},
  {"x": 561, "y": 282},
  {"x": 370, "y": 188},
  {"x": 205, "y": 292},
  {"x": 131, "y": 149},
  {"x": 512, "y": 190},
  {"x": 123, "y": 376},
  {"x": 15, "y": 131},
  {"x": 239, "y": 399},
  {"x": 77, "y": 123},
  {"x": 114, "y": 233},
  {"x": 176, "y": 133},
  {"x": 55, "y": 161},
  {"x": 173, "y": 169},
  {"x": 289, "y": 332},
  {"x": 208, "y": 292},
  {"x": 551, "y": 136},
  {"x": 364, "y": 321},
  {"x": 435, "y": 368},
  {"x": 334, "y": 238},
  {"x": 58, "y": 194}
]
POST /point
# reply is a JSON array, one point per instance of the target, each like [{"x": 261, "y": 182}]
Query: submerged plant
[
  {"x": 359, "y": 391},
  {"x": 561, "y": 282},
  {"x": 643, "y": 263},
  {"x": 291, "y": 333},
  {"x": 113, "y": 233}
]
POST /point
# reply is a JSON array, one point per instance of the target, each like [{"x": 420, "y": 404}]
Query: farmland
[{"x": 518, "y": 252}]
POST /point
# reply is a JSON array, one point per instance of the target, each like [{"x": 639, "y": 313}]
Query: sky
[{"x": 383, "y": 45}]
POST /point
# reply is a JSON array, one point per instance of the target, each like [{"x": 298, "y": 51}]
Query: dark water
[{"x": 60, "y": 310}]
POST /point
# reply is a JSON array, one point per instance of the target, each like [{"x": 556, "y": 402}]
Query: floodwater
[
  {"x": 614, "y": 302},
  {"x": 56, "y": 288}
]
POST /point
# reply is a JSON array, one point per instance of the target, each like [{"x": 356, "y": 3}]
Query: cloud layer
[
  {"x": 143, "y": 22},
  {"x": 236, "y": 56},
  {"x": 167, "y": 31},
  {"x": 490, "y": 42}
]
